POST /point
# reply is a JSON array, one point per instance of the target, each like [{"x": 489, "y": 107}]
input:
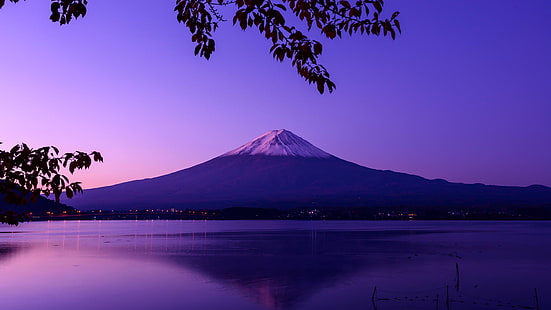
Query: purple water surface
[{"x": 258, "y": 265}]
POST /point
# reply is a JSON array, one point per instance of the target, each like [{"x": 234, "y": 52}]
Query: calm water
[{"x": 275, "y": 265}]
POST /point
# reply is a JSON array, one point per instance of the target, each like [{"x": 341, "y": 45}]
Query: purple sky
[{"x": 464, "y": 94}]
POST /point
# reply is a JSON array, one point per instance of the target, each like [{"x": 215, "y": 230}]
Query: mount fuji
[{"x": 281, "y": 170}]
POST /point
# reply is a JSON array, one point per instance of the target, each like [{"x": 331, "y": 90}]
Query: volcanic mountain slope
[{"x": 280, "y": 169}]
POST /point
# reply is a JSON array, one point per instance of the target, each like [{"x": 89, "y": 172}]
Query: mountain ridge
[{"x": 285, "y": 172}]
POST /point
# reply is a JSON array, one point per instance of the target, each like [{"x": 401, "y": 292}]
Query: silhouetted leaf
[
  {"x": 345, "y": 3},
  {"x": 69, "y": 193},
  {"x": 378, "y": 6},
  {"x": 55, "y": 6},
  {"x": 397, "y": 24},
  {"x": 320, "y": 86}
]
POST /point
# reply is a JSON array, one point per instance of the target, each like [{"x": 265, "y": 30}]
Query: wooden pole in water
[
  {"x": 457, "y": 277},
  {"x": 537, "y": 301},
  {"x": 447, "y": 297},
  {"x": 373, "y": 298},
  {"x": 436, "y": 301}
]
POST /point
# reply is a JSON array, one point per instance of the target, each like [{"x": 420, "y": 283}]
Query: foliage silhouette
[
  {"x": 26, "y": 174},
  {"x": 331, "y": 17}
]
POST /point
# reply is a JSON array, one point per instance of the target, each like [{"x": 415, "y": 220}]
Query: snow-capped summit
[{"x": 279, "y": 143}]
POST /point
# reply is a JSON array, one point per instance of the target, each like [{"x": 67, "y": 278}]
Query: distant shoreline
[{"x": 325, "y": 213}]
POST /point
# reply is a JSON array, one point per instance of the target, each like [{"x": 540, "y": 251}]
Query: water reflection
[
  {"x": 281, "y": 269},
  {"x": 8, "y": 251},
  {"x": 273, "y": 265}
]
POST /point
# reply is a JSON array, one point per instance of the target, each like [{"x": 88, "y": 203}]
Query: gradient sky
[{"x": 464, "y": 94}]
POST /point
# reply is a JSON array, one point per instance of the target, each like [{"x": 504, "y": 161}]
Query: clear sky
[{"x": 464, "y": 94}]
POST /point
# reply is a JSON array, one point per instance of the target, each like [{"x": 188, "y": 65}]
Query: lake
[{"x": 303, "y": 265}]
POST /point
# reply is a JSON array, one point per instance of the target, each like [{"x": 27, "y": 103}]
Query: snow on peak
[{"x": 279, "y": 143}]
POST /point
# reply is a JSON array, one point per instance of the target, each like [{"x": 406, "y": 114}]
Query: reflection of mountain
[
  {"x": 282, "y": 269},
  {"x": 7, "y": 251},
  {"x": 275, "y": 282}
]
